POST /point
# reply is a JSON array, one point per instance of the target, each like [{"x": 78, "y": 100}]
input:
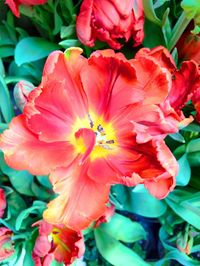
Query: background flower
[
  {"x": 2, "y": 202},
  {"x": 57, "y": 242},
  {"x": 14, "y": 4},
  {"x": 6, "y": 248},
  {"x": 110, "y": 21}
]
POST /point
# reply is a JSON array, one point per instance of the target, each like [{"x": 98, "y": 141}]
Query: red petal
[
  {"x": 160, "y": 188},
  {"x": 160, "y": 54},
  {"x": 83, "y": 23},
  {"x": 81, "y": 200},
  {"x": 23, "y": 149},
  {"x": 74, "y": 242},
  {"x": 134, "y": 164},
  {"x": 14, "y": 6},
  {"x": 184, "y": 85},
  {"x": 2, "y": 202},
  {"x": 110, "y": 85},
  {"x": 154, "y": 80},
  {"x": 196, "y": 102},
  {"x": 89, "y": 138},
  {"x": 53, "y": 107}
]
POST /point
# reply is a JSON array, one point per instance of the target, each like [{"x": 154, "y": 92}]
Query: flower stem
[{"x": 177, "y": 31}]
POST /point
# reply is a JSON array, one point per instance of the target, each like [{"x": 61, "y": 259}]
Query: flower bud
[
  {"x": 21, "y": 92},
  {"x": 6, "y": 247},
  {"x": 2, "y": 202}
]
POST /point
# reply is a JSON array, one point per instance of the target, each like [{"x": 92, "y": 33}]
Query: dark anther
[
  {"x": 110, "y": 141},
  {"x": 100, "y": 128},
  {"x": 91, "y": 122}
]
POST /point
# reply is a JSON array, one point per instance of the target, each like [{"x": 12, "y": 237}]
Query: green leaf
[
  {"x": 36, "y": 48},
  {"x": 184, "y": 173},
  {"x": 57, "y": 19},
  {"x": 152, "y": 40},
  {"x": 178, "y": 256},
  {"x": 194, "y": 159},
  {"x": 115, "y": 252},
  {"x": 177, "y": 31},
  {"x": 192, "y": 127},
  {"x": 40, "y": 192},
  {"x": 139, "y": 201},
  {"x": 30, "y": 71},
  {"x": 67, "y": 31},
  {"x": 193, "y": 145},
  {"x": 6, "y": 50},
  {"x": 123, "y": 229},
  {"x": 192, "y": 9},
  {"x": 5, "y": 102},
  {"x": 70, "y": 43},
  {"x": 5, "y": 37},
  {"x": 175, "y": 57},
  {"x": 150, "y": 13},
  {"x": 166, "y": 27},
  {"x": 3, "y": 126},
  {"x": 25, "y": 257},
  {"x": 2, "y": 69},
  {"x": 186, "y": 205},
  {"x": 15, "y": 206},
  {"x": 44, "y": 181},
  {"x": 55, "y": 263},
  {"x": 20, "y": 180},
  {"x": 38, "y": 208},
  {"x": 178, "y": 137}
]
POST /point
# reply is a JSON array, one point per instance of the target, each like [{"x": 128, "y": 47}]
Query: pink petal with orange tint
[
  {"x": 81, "y": 200},
  {"x": 23, "y": 150}
]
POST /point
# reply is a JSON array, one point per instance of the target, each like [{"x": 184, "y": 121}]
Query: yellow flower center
[
  {"x": 55, "y": 237},
  {"x": 106, "y": 141}
]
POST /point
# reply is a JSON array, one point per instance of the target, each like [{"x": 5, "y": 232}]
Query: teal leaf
[
  {"x": 20, "y": 180},
  {"x": 70, "y": 43},
  {"x": 138, "y": 200},
  {"x": 184, "y": 173},
  {"x": 123, "y": 229},
  {"x": 5, "y": 102},
  {"x": 186, "y": 205},
  {"x": 115, "y": 252},
  {"x": 35, "y": 48}
]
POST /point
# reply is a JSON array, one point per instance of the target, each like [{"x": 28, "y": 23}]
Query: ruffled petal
[
  {"x": 2, "y": 202},
  {"x": 160, "y": 54},
  {"x": 81, "y": 200},
  {"x": 52, "y": 107},
  {"x": 134, "y": 164},
  {"x": 184, "y": 86},
  {"x": 154, "y": 80},
  {"x": 196, "y": 102},
  {"x": 24, "y": 151},
  {"x": 83, "y": 23},
  {"x": 14, "y": 6},
  {"x": 110, "y": 85}
]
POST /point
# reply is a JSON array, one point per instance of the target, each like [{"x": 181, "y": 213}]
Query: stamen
[
  {"x": 101, "y": 130},
  {"x": 110, "y": 141},
  {"x": 91, "y": 121}
]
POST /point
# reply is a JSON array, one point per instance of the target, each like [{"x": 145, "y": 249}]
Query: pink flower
[
  {"x": 189, "y": 45},
  {"x": 21, "y": 92},
  {"x": 14, "y": 4},
  {"x": 57, "y": 242},
  {"x": 2, "y": 202},
  {"x": 95, "y": 122},
  {"x": 196, "y": 102},
  {"x": 184, "y": 84},
  {"x": 109, "y": 21},
  {"x": 6, "y": 247}
]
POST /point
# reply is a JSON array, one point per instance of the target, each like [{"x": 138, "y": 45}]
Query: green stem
[{"x": 178, "y": 30}]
